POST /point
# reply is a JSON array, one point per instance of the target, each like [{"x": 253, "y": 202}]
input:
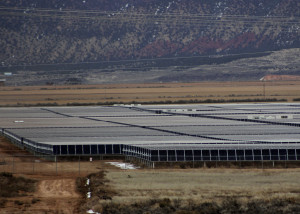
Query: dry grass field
[
  {"x": 147, "y": 93},
  {"x": 204, "y": 184},
  {"x": 176, "y": 190}
]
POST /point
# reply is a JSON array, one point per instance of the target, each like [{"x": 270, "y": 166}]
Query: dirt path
[
  {"x": 59, "y": 188},
  {"x": 57, "y": 196}
]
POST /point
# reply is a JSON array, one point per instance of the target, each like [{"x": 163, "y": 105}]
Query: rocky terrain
[{"x": 60, "y": 41}]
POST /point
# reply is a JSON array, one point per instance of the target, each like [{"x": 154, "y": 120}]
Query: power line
[
  {"x": 174, "y": 20},
  {"x": 142, "y": 60},
  {"x": 285, "y": 25},
  {"x": 132, "y": 14}
]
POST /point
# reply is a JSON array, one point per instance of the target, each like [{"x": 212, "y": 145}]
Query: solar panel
[{"x": 225, "y": 132}]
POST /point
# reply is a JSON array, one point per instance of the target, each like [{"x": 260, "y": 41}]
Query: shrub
[
  {"x": 35, "y": 200},
  {"x": 11, "y": 186},
  {"x": 2, "y": 202},
  {"x": 17, "y": 202},
  {"x": 6, "y": 174}
]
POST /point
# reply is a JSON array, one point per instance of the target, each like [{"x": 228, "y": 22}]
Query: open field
[
  {"x": 204, "y": 184},
  {"x": 147, "y": 93},
  {"x": 200, "y": 186}
]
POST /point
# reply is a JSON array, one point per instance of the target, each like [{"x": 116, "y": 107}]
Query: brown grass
[
  {"x": 204, "y": 184},
  {"x": 116, "y": 93},
  {"x": 200, "y": 191}
]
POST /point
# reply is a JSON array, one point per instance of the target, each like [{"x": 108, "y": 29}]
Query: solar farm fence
[
  {"x": 53, "y": 165},
  {"x": 83, "y": 165}
]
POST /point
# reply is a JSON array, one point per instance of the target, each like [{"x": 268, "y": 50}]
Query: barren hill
[{"x": 280, "y": 78}]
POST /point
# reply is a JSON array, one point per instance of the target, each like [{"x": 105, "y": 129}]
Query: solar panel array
[{"x": 224, "y": 132}]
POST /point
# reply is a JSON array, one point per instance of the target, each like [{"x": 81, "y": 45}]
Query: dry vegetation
[
  {"x": 15, "y": 186},
  {"x": 150, "y": 93},
  {"x": 199, "y": 191},
  {"x": 204, "y": 184}
]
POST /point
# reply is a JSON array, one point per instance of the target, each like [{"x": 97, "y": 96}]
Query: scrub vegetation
[
  {"x": 219, "y": 190},
  {"x": 228, "y": 205},
  {"x": 12, "y": 186}
]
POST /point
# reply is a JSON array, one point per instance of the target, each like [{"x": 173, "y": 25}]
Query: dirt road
[{"x": 57, "y": 196}]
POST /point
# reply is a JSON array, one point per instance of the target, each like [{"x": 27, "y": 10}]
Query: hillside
[
  {"x": 280, "y": 78},
  {"x": 65, "y": 38}
]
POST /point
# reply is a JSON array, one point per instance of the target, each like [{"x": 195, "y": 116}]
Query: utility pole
[{"x": 264, "y": 89}]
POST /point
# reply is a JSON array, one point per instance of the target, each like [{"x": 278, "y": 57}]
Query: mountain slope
[{"x": 57, "y": 32}]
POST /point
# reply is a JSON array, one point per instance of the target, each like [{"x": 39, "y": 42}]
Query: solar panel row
[{"x": 158, "y": 155}]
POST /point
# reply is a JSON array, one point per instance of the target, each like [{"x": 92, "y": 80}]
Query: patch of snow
[
  {"x": 123, "y": 165},
  {"x": 19, "y": 121},
  {"x": 169, "y": 5},
  {"x": 157, "y": 11},
  {"x": 92, "y": 211},
  {"x": 88, "y": 182},
  {"x": 89, "y": 194}
]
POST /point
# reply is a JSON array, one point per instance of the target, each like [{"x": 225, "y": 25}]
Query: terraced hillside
[{"x": 89, "y": 37}]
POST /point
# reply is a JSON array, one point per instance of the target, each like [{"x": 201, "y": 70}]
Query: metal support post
[
  {"x": 285, "y": 161},
  {"x": 55, "y": 165},
  {"x": 79, "y": 165},
  {"x": 13, "y": 165}
]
